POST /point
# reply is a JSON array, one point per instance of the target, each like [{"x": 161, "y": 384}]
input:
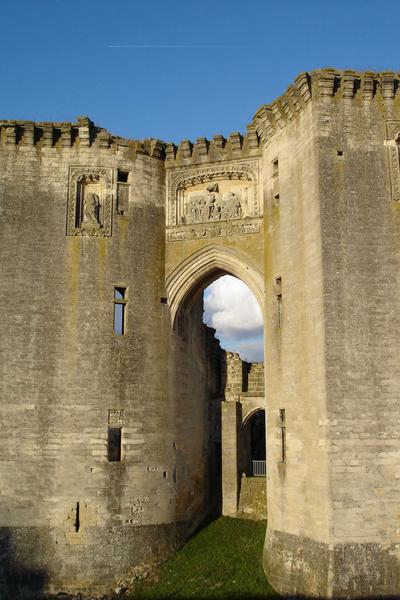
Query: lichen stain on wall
[
  {"x": 71, "y": 305},
  {"x": 102, "y": 246}
]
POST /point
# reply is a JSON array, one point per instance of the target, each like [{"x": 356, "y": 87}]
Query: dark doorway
[{"x": 254, "y": 445}]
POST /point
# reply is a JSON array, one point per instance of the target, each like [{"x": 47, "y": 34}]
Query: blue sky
[
  {"x": 232, "y": 309},
  {"x": 195, "y": 68},
  {"x": 181, "y": 69}
]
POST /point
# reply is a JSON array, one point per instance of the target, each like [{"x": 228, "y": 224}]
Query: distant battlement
[{"x": 82, "y": 134}]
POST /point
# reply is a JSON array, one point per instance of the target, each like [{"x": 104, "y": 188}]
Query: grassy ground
[{"x": 222, "y": 561}]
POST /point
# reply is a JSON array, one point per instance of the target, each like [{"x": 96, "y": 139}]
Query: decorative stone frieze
[
  {"x": 214, "y": 230},
  {"x": 90, "y": 201}
]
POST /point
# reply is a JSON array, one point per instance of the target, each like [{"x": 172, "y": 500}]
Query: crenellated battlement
[
  {"x": 217, "y": 149},
  {"x": 82, "y": 134},
  {"x": 322, "y": 84},
  {"x": 325, "y": 84}
]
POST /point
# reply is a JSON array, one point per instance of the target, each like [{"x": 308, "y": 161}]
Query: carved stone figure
[
  {"x": 90, "y": 201},
  {"x": 213, "y": 188},
  {"x": 393, "y": 146},
  {"x": 91, "y": 209}
]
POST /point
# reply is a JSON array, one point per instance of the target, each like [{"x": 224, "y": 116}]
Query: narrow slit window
[
  {"x": 120, "y": 301},
  {"x": 282, "y": 424},
  {"x": 278, "y": 296},
  {"x": 77, "y": 518},
  {"x": 279, "y": 310},
  {"x": 275, "y": 179},
  {"x": 114, "y": 444}
]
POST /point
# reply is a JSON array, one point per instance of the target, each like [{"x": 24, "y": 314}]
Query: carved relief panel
[
  {"x": 90, "y": 201},
  {"x": 215, "y": 201},
  {"x": 393, "y": 145},
  {"x": 214, "y": 193}
]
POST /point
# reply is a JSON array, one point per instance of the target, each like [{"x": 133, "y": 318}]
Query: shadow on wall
[
  {"x": 246, "y": 596},
  {"x": 17, "y": 581}
]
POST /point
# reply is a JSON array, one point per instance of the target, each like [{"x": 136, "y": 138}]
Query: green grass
[{"x": 222, "y": 561}]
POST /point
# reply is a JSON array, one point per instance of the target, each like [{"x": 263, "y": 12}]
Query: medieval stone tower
[{"x": 109, "y": 380}]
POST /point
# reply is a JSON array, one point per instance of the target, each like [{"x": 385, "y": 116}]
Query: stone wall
[
  {"x": 83, "y": 213},
  {"x": 294, "y": 355},
  {"x": 358, "y": 159},
  {"x": 331, "y": 361},
  {"x": 255, "y": 378},
  {"x": 70, "y": 518},
  {"x": 197, "y": 366},
  {"x": 304, "y": 209},
  {"x": 252, "y": 499},
  {"x": 242, "y": 400}
]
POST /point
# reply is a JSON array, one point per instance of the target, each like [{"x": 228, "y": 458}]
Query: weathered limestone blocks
[{"x": 304, "y": 208}]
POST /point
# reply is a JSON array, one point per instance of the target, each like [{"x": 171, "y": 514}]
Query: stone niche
[
  {"x": 393, "y": 146},
  {"x": 214, "y": 194},
  {"x": 90, "y": 201}
]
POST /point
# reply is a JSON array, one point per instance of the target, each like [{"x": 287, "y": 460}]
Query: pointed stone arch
[
  {"x": 204, "y": 266},
  {"x": 250, "y": 414}
]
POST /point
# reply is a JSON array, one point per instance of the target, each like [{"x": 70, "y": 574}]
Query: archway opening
[
  {"x": 215, "y": 387},
  {"x": 254, "y": 444}
]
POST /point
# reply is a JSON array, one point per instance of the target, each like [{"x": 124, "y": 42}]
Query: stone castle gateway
[{"x": 110, "y": 382}]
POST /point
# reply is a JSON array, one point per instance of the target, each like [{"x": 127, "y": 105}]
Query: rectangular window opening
[
  {"x": 114, "y": 444},
  {"x": 340, "y": 152},
  {"x": 120, "y": 301},
  {"x": 275, "y": 168},
  {"x": 123, "y": 176},
  {"x": 282, "y": 424}
]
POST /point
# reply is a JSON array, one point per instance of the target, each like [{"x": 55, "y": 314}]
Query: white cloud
[{"x": 231, "y": 308}]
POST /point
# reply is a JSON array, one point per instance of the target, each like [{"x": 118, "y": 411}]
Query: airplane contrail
[{"x": 179, "y": 46}]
